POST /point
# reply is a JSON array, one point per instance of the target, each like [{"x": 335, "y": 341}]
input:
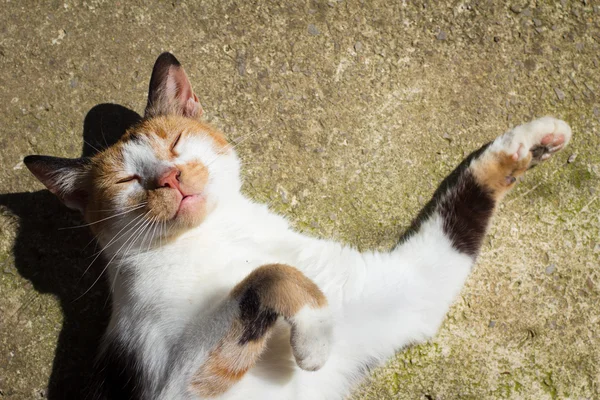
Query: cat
[{"x": 215, "y": 296}]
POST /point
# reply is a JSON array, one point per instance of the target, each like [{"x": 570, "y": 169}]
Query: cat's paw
[
  {"x": 519, "y": 149},
  {"x": 534, "y": 142},
  {"x": 311, "y": 337}
]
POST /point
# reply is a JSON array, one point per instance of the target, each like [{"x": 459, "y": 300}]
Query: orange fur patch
[
  {"x": 494, "y": 171},
  {"x": 227, "y": 363},
  {"x": 282, "y": 288}
]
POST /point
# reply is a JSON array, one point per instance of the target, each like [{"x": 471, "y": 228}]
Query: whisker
[
  {"x": 90, "y": 242},
  {"x": 102, "y": 220},
  {"x": 154, "y": 231},
  {"x": 242, "y": 140},
  {"x": 143, "y": 228},
  {"x": 110, "y": 242},
  {"x": 109, "y": 262},
  {"x": 124, "y": 208},
  {"x": 112, "y": 287},
  {"x": 89, "y": 144},
  {"x": 147, "y": 232},
  {"x": 102, "y": 132},
  {"x": 151, "y": 241},
  {"x": 160, "y": 235}
]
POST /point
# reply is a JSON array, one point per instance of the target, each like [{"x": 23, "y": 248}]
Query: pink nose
[{"x": 170, "y": 179}]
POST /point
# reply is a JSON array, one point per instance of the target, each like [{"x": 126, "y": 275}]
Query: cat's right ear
[
  {"x": 170, "y": 91},
  {"x": 65, "y": 177}
]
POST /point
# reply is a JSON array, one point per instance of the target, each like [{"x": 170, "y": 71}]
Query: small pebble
[
  {"x": 559, "y": 93},
  {"x": 441, "y": 36},
  {"x": 589, "y": 283},
  {"x": 537, "y": 22},
  {"x": 550, "y": 269},
  {"x": 358, "y": 46},
  {"x": 492, "y": 324},
  {"x": 516, "y": 8},
  {"x": 572, "y": 158},
  {"x": 313, "y": 30}
]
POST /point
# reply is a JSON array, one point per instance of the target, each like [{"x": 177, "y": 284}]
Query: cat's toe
[
  {"x": 541, "y": 138},
  {"x": 311, "y": 338},
  {"x": 314, "y": 359}
]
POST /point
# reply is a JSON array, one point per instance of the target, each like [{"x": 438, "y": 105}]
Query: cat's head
[{"x": 169, "y": 171}]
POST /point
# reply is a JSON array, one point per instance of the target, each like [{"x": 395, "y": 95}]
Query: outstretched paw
[
  {"x": 311, "y": 337},
  {"x": 536, "y": 141},
  {"x": 519, "y": 149}
]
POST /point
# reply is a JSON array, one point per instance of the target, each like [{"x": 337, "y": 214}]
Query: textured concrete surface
[{"x": 347, "y": 115}]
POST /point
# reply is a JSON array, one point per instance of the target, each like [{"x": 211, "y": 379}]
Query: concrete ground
[{"x": 347, "y": 115}]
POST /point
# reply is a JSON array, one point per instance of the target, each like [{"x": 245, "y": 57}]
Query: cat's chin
[{"x": 191, "y": 212}]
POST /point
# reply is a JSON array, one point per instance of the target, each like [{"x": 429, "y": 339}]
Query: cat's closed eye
[
  {"x": 129, "y": 179},
  {"x": 175, "y": 142}
]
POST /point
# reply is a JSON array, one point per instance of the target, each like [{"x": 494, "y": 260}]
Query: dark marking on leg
[
  {"x": 255, "y": 318},
  {"x": 465, "y": 206},
  {"x": 267, "y": 293},
  {"x": 466, "y": 211},
  {"x": 449, "y": 182}
]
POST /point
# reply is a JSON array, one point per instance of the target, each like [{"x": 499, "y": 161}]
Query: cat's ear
[
  {"x": 65, "y": 177},
  {"x": 170, "y": 91}
]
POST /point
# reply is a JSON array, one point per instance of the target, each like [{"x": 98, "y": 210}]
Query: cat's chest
[{"x": 198, "y": 277}]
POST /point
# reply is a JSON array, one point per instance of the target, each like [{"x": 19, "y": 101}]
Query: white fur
[
  {"x": 311, "y": 337},
  {"x": 378, "y": 302},
  {"x": 523, "y": 137}
]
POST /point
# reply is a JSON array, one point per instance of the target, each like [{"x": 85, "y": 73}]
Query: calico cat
[{"x": 214, "y": 296}]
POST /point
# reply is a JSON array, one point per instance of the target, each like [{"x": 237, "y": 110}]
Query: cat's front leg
[
  {"x": 465, "y": 201},
  {"x": 269, "y": 292},
  {"x": 444, "y": 241}
]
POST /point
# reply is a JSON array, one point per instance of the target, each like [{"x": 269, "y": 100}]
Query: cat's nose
[{"x": 170, "y": 179}]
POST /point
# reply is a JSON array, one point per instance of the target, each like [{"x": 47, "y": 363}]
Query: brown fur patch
[
  {"x": 282, "y": 288},
  {"x": 498, "y": 171},
  {"x": 227, "y": 363}
]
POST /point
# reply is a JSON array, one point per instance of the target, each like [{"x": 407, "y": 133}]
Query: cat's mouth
[
  {"x": 188, "y": 202},
  {"x": 176, "y": 205}
]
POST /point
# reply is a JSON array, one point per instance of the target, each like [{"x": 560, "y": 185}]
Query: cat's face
[
  {"x": 167, "y": 173},
  {"x": 170, "y": 170}
]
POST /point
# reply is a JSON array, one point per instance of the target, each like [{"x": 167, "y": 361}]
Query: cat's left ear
[
  {"x": 170, "y": 91},
  {"x": 65, "y": 177}
]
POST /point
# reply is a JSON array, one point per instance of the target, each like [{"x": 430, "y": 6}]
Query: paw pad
[{"x": 540, "y": 138}]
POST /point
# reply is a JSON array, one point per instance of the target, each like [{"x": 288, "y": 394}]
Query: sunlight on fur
[{"x": 215, "y": 296}]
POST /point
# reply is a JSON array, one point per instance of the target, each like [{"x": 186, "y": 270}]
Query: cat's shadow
[{"x": 54, "y": 257}]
